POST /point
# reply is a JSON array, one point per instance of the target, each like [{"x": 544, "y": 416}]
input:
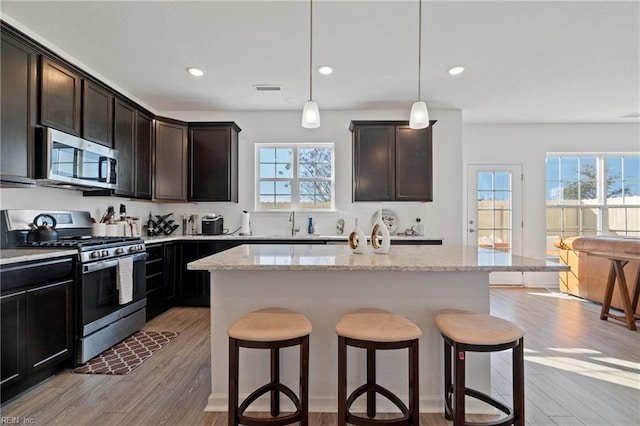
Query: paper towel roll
[{"x": 245, "y": 227}]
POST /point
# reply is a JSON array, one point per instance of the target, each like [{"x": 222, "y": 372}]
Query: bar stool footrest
[
  {"x": 358, "y": 420},
  {"x": 275, "y": 421},
  {"x": 504, "y": 421}
]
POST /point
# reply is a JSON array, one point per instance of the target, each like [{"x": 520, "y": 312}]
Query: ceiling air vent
[{"x": 266, "y": 87}]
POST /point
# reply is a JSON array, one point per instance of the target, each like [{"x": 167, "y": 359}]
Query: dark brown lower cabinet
[
  {"x": 49, "y": 312},
  {"x": 161, "y": 278},
  {"x": 194, "y": 287},
  {"x": 12, "y": 315},
  {"x": 37, "y": 322}
]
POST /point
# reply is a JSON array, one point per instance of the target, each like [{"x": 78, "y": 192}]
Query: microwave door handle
[
  {"x": 110, "y": 170},
  {"x": 113, "y": 170},
  {"x": 101, "y": 178}
]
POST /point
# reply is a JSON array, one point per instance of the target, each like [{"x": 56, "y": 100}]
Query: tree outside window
[
  {"x": 593, "y": 194},
  {"x": 295, "y": 176}
]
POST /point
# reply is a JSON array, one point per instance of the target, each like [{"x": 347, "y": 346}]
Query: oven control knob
[
  {"x": 95, "y": 254},
  {"x": 119, "y": 250},
  {"x": 105, "y": 253},
  {"x": 132, "y": 249},
  {"x": 140, "y": 247}
]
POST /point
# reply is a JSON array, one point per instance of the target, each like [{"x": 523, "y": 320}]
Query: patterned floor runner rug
[{"x": 123, "y": 357}]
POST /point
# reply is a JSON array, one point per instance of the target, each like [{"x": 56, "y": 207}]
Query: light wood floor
[{"x": 579, "y": 371}]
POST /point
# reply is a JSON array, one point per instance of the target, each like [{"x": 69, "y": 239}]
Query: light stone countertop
[
  {"x": 298, "y": 237},
  {"x": 10, "y": 256},
  {"x": 409, "y": 258}
]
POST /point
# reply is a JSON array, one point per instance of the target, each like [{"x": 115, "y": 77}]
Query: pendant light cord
[
  {"x": 311, "y": 50},
  {"x": 419, "y": 46}
]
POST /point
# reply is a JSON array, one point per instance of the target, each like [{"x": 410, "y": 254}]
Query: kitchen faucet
[{"x": 292, "y": 219}]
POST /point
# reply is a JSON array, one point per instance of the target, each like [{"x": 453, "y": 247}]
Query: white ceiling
[{"x": 535, "y": 61}]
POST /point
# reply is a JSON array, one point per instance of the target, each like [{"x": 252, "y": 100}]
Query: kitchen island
[{"x": 326, "y": 282}]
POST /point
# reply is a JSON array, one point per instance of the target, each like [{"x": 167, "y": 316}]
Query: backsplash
[
  {"x": 277, "y": 223},
  {"x": 262, "y": 223}
]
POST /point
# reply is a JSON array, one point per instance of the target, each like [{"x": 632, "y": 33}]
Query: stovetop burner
[{"x": 79, "y": 242}]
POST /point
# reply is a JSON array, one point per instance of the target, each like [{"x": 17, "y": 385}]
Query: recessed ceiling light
[
  {"x": 195, "y": 71},
  {"x": 325, "y": 70},
  {"x": 456, "y": 70}
]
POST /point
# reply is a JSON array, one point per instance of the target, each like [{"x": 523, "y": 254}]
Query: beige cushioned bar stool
[
  {"x": 464, "y": 332},
  {"x": 273, "y": 329},
  {"x": 375, "y": 329}
]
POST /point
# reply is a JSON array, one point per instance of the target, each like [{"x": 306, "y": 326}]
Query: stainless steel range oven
[
  {"x": 103, "y": 319},
  {"x": 103, "y": 316}
]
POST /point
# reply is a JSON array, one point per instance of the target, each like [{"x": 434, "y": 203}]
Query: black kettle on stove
[{"x": 44, "y": 232}]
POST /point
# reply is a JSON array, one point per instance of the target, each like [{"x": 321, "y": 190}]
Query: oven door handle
[{"x": 105, "y": 264}]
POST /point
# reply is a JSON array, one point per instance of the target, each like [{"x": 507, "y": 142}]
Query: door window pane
[{"x": 494, "y": 209}]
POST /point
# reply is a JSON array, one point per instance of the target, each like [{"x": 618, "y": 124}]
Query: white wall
[
  {"x": 442, "y": 217},
  {"x": 65, "y": 199},
  {"x": 528, "y": 144}
]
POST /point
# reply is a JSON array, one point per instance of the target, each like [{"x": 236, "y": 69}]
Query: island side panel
[{"x": 324, "y": 296}]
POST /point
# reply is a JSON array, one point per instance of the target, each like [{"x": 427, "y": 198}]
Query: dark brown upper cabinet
[
  {"x": 18, "y": 108},
  {"x": 124, "y": 141},
  {"x": 391, "y": 162},
  {"x": 144, "y": 156},
  {"x": 213, "y": 161},
  {"x": 60, "y": 97},
  {"x": 97, "y": 113},
  {"x": 170, "y": 174}
]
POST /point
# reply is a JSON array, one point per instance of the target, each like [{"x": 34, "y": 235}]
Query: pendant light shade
[
  {"x": 310, "y": 115},
  {"x": 419, "y": 117},
  {"x": 310, "y": 112}
]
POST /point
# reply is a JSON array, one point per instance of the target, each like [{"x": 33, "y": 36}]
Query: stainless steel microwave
[{"x": 65, "y": 160}]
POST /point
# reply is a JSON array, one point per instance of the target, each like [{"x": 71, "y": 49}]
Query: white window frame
[
  {"x": 295, "y": 195},
  {"x": 601, "y": 200}
]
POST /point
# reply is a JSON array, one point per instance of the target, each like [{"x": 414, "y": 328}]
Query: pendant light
[
  {"x": 310, "y": 112},
  {"x": 419, "y": 118}
]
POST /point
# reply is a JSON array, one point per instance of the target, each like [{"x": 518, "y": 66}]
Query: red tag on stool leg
[{"x": 461, "y": 356}]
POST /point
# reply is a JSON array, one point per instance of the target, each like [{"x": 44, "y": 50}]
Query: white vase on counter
[
  {"x": 357, "y": 240},
  {"x": 380, "y": 237}
]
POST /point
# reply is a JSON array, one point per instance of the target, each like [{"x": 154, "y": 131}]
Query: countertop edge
[
  {"x": 30, "y": 255},
  {"x": 304, "y": 237}
]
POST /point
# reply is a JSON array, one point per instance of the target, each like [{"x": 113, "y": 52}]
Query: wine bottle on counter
[{"x": 151, "y": 231}]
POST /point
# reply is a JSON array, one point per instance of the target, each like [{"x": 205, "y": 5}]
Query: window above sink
[{"x": 295, "y": 177}]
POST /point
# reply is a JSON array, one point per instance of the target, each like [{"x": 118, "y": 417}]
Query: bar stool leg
[
  {"x": 275, "y": 378},
  {"x": 234, "y": 355},
  {"x": 460, "y": 385},
  {"x": 447, "y": 381},
  {"x": 304, "y": 382},
  {"x": 371, "y": 382},
  {"x": 342, "y": 381},
  {"x": 414, "y": 382},
  {"x": 518, "y": 382}
]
